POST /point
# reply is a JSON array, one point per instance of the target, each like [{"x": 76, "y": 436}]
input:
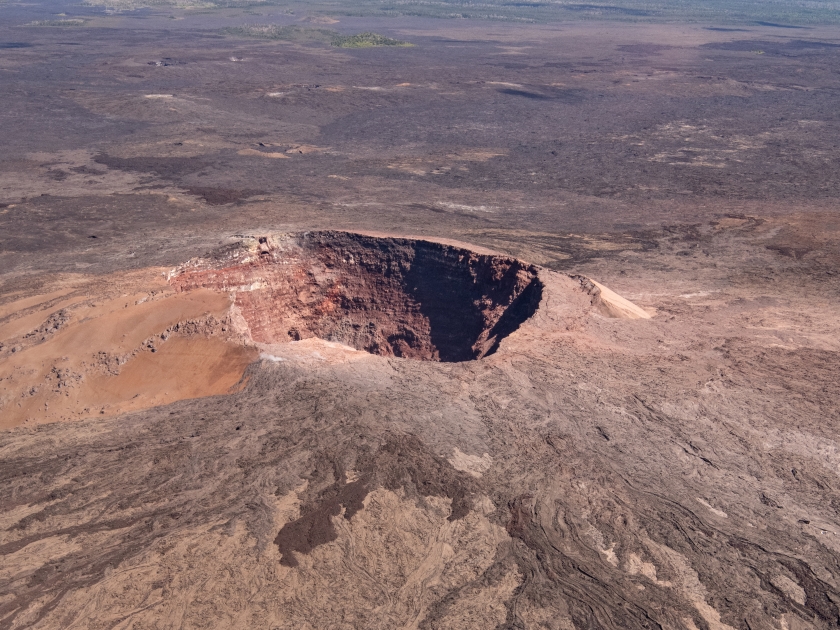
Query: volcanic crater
[{"x": 387, "y": 296}]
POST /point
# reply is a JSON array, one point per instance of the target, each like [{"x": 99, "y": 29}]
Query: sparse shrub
[
  {"x": 366, "y": 40},
  {"x": 59, "y": 23}
]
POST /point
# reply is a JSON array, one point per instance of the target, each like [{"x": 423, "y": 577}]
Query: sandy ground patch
[{"x": 79, "y": 356}]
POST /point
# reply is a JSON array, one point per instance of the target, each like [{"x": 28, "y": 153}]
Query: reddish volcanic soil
[{"x": 103, "y": 346}]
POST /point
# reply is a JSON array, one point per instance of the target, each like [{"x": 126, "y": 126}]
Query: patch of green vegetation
[
  {"x": 282, "y": 33},
  {"x": 59, "y": 23},
  {"x": 366, "y": 40}
]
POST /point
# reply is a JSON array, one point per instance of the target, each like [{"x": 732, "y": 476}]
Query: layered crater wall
[{"x": 388, "y": 296}]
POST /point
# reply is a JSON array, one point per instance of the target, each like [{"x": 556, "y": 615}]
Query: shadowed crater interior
[{"x": 387, "y": 296}]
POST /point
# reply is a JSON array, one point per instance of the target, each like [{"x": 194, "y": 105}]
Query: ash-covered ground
[{"x": 521, "y": 326}]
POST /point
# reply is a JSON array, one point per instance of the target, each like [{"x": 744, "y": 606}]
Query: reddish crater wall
[{"x": 388, "y": 296}]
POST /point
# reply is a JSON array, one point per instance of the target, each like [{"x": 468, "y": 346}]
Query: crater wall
[{"x": 387, "y": 296}]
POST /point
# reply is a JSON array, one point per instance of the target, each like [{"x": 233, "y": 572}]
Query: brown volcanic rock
[{"x": 387, "y": 296}]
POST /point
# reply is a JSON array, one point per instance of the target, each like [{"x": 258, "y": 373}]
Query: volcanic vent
[{"x": 387, "y": 296}]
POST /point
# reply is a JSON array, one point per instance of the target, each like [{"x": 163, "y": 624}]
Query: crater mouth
[{"x": 387, "y": 296}]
